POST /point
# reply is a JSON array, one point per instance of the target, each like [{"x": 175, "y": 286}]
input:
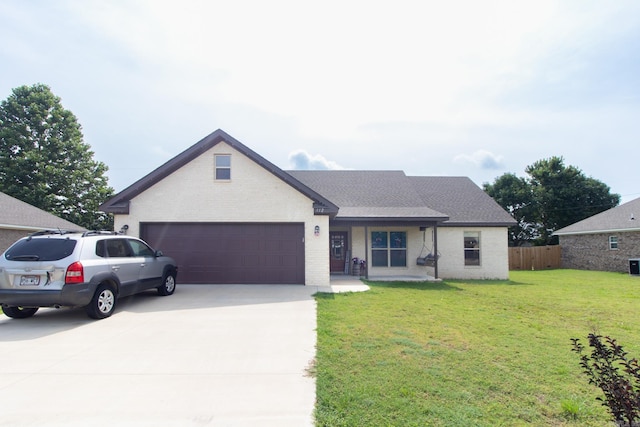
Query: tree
[
  {"x": 552, "y": 197},
  {"x": 45, "y": 162},
  {"x": 514, "y": 195}
]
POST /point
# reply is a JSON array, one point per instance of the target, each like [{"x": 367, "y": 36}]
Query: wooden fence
[{"x": 535, "y": 257}]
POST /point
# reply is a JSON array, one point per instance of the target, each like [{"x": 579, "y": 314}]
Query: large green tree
[
  {"x": 551, "y": 197},
  {"x": 45, "y": 162}
]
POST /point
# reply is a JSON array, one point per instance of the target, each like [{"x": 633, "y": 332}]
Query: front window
[
  {"x": 140, "y": 249},
  {"x": 471, "y": 248},
  {"x": 613, "y": 242},
  {"x": 388, "y": 249},
  {"x": 223, "y": 167}
]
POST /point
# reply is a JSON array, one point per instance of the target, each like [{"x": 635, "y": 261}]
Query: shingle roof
[
  {"x": 625, "y": 217},
  {"x": 353, "y": 195},
  {"x": 370, "y": 194},
  {"x": 461, "y": 199},
  {"x": 16, "y": 214}
]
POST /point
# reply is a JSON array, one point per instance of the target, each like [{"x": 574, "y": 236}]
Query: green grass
[{"x": 470, "y": 353}]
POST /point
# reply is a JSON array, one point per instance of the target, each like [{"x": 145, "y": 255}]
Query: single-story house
[
  {"x": 19, "y": 219},
  {"x": 603, "y": 242},
  {"x": 228, "y": 215}
]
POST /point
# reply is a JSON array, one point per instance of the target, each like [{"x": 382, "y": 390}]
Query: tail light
[{"x": 75, "y": 273}]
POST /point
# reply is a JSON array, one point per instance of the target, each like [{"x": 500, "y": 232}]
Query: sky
[{"x": 436, "y": 88}]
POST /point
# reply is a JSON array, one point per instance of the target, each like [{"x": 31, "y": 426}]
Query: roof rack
[
  {"x": 98, "y": 232},
  {"x": 52, "y": 231}
]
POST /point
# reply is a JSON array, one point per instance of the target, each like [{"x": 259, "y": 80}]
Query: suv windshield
[{"x": 40, "y": 250}]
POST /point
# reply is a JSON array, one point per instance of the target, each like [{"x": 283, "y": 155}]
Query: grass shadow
[
  {"x": 489, "y": 282},
  {"x": 419, "y": 286}
]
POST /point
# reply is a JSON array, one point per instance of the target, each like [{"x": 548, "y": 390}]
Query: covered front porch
[{"x": 384, "y": 251}]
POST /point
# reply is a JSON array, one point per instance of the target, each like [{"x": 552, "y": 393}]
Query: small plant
[
  {"x": 609, "y": 368},
  {"x": 570, "y": 409}
]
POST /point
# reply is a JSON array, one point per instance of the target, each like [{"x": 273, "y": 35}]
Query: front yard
[{"x": 470, "y": 353}]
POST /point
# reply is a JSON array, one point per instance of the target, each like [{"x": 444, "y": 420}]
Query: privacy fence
[{"x": 535, "y": 257}]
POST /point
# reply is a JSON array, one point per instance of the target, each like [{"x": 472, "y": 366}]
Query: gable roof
[
  {"x": 18, "y": 215},
  {"x": 625, "y": 217},
  {"x": 347, "y": 195},
  {"x": 119, "y": 204}
]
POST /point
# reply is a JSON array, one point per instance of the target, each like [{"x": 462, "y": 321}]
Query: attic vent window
[{"x": 222, "y": 166}]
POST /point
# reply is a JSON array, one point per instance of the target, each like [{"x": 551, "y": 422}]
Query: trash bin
[{"x": 634, "y": 267}]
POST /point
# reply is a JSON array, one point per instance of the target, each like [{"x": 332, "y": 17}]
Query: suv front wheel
[
  {"x": 19, "y": 312},
  {"x": 168, "y": 286},
  {"x": 103, "y": 302}
]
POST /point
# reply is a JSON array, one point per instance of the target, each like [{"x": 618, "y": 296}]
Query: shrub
[{"x": 609, "y": 368}]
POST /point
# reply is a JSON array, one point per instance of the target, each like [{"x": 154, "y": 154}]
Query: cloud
[
  {"x": 481, "y": 158},
  {"x": 301, "y": 160}
]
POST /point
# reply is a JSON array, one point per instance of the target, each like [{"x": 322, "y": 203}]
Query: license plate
[{"x": 29, "y": 280}]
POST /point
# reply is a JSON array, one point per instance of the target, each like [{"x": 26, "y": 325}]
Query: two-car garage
[{"x": 231, "y": 253}]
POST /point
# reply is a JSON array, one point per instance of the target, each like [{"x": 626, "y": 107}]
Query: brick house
[
  {"x": 603, "y": 242},
  {"x": 228, "y": 215}
]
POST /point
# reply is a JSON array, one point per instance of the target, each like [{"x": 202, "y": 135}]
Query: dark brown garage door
[{"x": 231, "y": 253}]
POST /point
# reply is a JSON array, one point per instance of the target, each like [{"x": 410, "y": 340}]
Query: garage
[{"x": 231, "y": 253}]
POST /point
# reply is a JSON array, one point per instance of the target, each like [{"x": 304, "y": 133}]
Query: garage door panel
[{"x": 231, "y": 253}]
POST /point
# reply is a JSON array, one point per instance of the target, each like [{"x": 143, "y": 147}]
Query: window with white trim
[
  {"x": 613, "y": 242},
  {"x": 471, "y": 248},
  {"x": 388, "y": 248},
  {"x": 222, "y": 167}
]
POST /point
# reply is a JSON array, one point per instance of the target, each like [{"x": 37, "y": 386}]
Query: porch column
[
  {"x": 435, "y": 249},
  {"x": 366, "y": 250}
]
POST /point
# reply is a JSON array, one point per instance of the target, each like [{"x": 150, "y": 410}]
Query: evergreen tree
[{"x": 45, "y": 162}]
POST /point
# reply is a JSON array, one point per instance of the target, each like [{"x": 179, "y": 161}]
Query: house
[
  {"x": 18, "y": 219},
  {"x": 228, "y": 215},
  {"x": 604, "y": 242}
]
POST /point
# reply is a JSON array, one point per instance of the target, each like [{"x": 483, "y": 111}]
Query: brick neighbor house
[
  {"x": 604, "y": 242},
  {"x": 19, "y": 219}
]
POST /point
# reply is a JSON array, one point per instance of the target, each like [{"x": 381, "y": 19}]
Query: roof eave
[{"x": 601, "y": 231}]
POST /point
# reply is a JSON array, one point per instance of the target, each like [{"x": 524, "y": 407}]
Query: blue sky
[{"x": 461, "y": 88}]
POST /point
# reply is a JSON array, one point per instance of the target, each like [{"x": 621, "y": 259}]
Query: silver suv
[{"x": 75, "y": 269}]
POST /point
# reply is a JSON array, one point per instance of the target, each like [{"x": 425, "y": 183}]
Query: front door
[{"x": 338, "y": 247}]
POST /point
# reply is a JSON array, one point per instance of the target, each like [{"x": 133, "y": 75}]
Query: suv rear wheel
[
  {"x": 168, "y": 286},
  {"x": 19, "y": 312},
  {"x": 103, "y": 302}
]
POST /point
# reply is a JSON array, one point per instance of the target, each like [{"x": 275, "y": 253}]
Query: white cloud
[
  {"x": 482, "y": 158},
  {"x": 301, "y": 160}
]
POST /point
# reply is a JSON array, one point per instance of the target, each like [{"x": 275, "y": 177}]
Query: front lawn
[{"x": 470, "y": 353}]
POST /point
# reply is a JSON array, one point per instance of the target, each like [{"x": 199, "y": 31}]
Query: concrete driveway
[{"x": 207, "y": 355}]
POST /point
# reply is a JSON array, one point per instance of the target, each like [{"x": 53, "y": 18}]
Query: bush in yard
[{"x": 609, "y": 368}]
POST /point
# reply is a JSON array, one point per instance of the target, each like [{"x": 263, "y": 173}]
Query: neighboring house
[
  {"x": 230, "y": 216},
  {"x": 603, "y": 242},
  {"x": 19, "y": 219}
]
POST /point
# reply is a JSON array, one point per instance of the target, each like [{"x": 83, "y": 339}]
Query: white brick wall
[
  {"x": 494, "y": 255},
  {"x": 252, "y": 195}
]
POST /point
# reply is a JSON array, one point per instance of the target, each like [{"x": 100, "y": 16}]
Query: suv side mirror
[{"x": 159, "y": 254}]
